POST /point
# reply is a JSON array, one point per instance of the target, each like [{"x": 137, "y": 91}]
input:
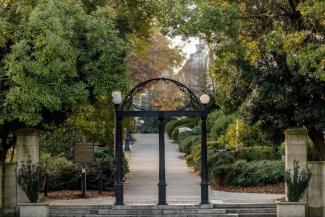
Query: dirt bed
[{"x": 270, "y": 189}]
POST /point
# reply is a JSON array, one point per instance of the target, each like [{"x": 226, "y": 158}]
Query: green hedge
[
  {"x": 194, "y": 158},
  {"x": 255, "y": 153},
  {"x": 188, "y": 143},
  {"x": 183, "y": 135},
  {"x": 256, "y": 173},
  {"x": 172, "y": 126},
  {"x": 64, "y": 174},
  {"x": 243, "y": 173}
]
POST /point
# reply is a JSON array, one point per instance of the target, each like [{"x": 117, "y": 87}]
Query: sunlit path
[{"x": 141, "y": 184}]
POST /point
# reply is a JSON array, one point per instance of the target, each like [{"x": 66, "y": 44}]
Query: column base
[
  {"x": 162, "y": 194},
  {"x": 118, "y": 187},
  {"x": 204, "y": 193}
]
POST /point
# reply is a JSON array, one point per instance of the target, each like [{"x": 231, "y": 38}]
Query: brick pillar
[
  {"x": 27, "y": 146},
  {"x": 295, "y": 149}
]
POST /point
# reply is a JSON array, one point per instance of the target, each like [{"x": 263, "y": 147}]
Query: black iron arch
[
  {"x": 192, "y": 108},
  {"x": 193, "y": 102}
]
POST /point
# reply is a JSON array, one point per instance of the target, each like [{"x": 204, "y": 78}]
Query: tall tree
[
  {"x": 152, "y": 58},
  {"x": 54, "y": 58},
  {"x": 269, "y": 58}
]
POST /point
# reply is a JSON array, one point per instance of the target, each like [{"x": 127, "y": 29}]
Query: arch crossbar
[{"x": 128, "y": 109}]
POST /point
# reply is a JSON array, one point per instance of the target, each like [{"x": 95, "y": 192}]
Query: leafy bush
[
  {"x": 256, "y": 173},
  {"x": 194, "y": 158},
  {"x": 239, "y": 134},
  {"x": 64, "y": 174},
  {"x": 183, "y": 135},
  {"x": 60, "y": 141},
  {"x": 221, "y": 158},
  {"x": 174, "y": 134},
  {"x": 185, "y": 122},
  {"x": 187, "y": 144},
  {"x": 170, "y": 127},
  {"x": 149, "y": 125},
  {"x": 221, "y": 165},
  {"x": 297, "y": 182},
  {"x": 254, "y": 153},
  {"x": 217, "y": 123},
  {"x": 30, "y": 179}
]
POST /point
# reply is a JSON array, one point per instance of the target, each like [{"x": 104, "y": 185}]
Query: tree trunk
[{"x": 317, "y": 136}]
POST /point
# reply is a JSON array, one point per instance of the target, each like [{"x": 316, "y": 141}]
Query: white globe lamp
[
  {"x": 117, "y": 97},
  {"x": 205, "y": 99}
]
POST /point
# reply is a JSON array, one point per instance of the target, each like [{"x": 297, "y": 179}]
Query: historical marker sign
[{"x": 83, "y": 152}]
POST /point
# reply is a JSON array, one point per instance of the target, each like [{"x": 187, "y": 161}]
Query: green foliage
[
  {"x": 30, "y": 179},
  {"x": 60, "y": 141},
  {"x": 194, "y": 158},
  {"x": 220, "y": 165},
  {"x": 150, "y": 125},
  {"x": 256, "y": 173},
  {"x": 254, "y": 153},
  {"x": 183, "y": 135},
  {"x": 172, "y": 126},
  {"x": 71, "y": 60},
  {"x": 239, "y": 134},
  {"x": 297, "y": 182},
  {"x": 268, "y": 58},
  {"x": 188, "y": 143},
  {"x": 64, "y": 174},
  {"x": 217, "y": 123},
  {"x": 174, "y": 134}
]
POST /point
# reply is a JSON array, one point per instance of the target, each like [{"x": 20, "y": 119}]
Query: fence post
[
  {"x": 83, "y": 182},
  {"x": 100, "y": 183},
  {"x": 46, "y": 184}
]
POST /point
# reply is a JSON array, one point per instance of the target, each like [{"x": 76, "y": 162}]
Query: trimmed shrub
[
  {"x": 183, "y": 135},
  {"x": 256, "y": 173},
  {"x": 174, "y": 134},
  {"x": 170, "y": 127},
  {"x": 221, "y": 158},
  {"x": 194, "y": 158},
  {"x": 185, "y": 122},
  {"x": 187, "y": 144},
  {"x": 64, "y": 174},
  {"x": 218, "y": 122},
  {"x": 221, "y": 165},
  {"x": 254, "y": 153}
]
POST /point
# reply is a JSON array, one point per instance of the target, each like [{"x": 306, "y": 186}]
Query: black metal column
[
  {"x": 204, "y": 164},
  {"x": 162, "y": 178},
  {"x": 118, "y": 185}
]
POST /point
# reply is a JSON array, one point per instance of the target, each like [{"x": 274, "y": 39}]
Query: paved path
[
  {"x": 141, "y": 183},
  {"x": 183, "y": 186}
]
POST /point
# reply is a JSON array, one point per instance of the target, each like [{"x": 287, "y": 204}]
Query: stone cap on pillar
[
  {"x": 296, "y": 131},
  {"x": 27, "y": 132}
]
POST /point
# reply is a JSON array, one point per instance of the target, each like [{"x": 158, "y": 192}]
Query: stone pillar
[
  {"x": 9, "y": 190},
  {"x": 315, "y": 189},
  {"x": 27, "y": 146},
  {"x": 1, "y": 187},
  {"x": 295, "y": 148}
]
